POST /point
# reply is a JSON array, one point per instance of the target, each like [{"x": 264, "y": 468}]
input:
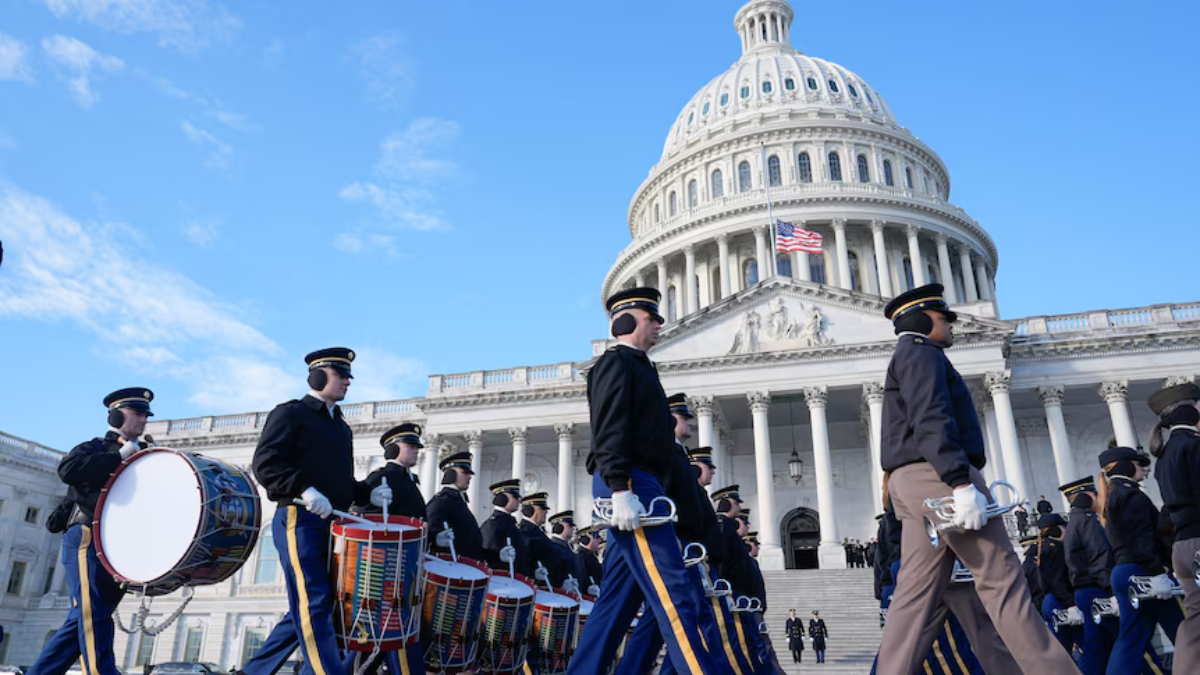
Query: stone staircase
[{"x": 846, "y": 600}]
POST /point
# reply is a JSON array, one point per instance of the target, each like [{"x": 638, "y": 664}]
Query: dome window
[
  {"x": 812, "y": 84},
  {"x": 908, "y": 177},
  {"x": 887, "y": 173},
  {"x": 705, "y": 110},
  {"x": 745, "y": 92},
  {"x": 833, "y": 85},
  {"x": 672, "y": 204},
  {"x": 864, "y": 174},
  {"x": 766, "y": 86},
  {"x": 835, "y": 167},
  {"x": 805, "y": 165},
  {"x": 774, "y": 176},
  {"x": 868, "y": 95},
  {"x": 725, "y": 99},
  {"x": 691, "y": 116},
  {"x": 853, "y": 91},
  {"x": 718, "y": 185},
  {"x": 744, "y": 183},
  {"x": 693, "y": 198},
  {"x": 789, "y": 84}
]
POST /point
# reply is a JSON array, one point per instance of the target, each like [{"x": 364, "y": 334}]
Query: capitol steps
[{"x": 846, "y": 600}]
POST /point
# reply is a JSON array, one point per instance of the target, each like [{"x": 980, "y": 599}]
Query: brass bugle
[{"x": 944, "y": 508}]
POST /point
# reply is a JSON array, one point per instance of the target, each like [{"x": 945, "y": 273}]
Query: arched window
[
  {"x": 855, "y": 272},
  {"x": 805, "y": 165},
  {"x": 887, "y": 173},
  {"x": 691, "y": 116},
  {"x": 853, "y": 91},
  {"x": 816, "y": 267},
  {"x": 672, "y": 304},
  {"x": 908, "y": 176},
  {"x": 783, "y": 264},
  {"x": 744, "y": 176},
  {"x": 833, "y": 85},
  {"x": 774, "y": 176},
  {"x": 908, "y": 275},
  {"x": 766, "y": 86},
  {"x": 812, "y": 83},
  {"x": 789, "y": 84},
  {"x": 704, "y": 111},
  {"x": 693, "y": 198},
  {"x": 835, "y": 167},
  {"x": 725, "y": 98},
  {"x": 750, "y": 276},
  {"x": 672, "y": 204},
  {"x": 745, "y": 91},
  {"x": 718, "y": 185},
  {"x": 656, "y": 213},
  {"x": 864, "y": 174}
]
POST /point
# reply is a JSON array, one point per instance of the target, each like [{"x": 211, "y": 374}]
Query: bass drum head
[{"x": 150, "y": 516}]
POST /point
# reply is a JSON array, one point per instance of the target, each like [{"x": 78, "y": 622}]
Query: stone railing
[
  {"x": 39, "y": 454},
  {"x": 54, "y": 601},
  {"x": 522, "y": 377},
  {"x": 244, "y": 422},
  {"x": 262, "y": 589},
  {"x": 1108, "y": 320}
]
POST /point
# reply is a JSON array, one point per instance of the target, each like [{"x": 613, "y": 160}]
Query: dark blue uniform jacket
[
  {"x": 406, "y": 495},
  {"x": 1178, "y": 475},
  {"x": 1133, "y": 525},
  {"x": 498, "y": 531},
  {"x": 631, "y": 422},
  {"x": 1089, "y": 555},
  {"x": 449, "y": 507}
]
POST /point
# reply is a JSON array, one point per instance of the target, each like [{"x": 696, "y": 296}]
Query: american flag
[{"x": 788, "y": 238}]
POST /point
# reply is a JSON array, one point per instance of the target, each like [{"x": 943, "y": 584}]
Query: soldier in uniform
[
  {"x": 733, "y": 565},
  {"x": 400, "y": 447},
  {"x": 794, "y": 630},
  {"x": 543, "y": 564},
  {"x": 933, "y": 445},
  {"x": 1089, "y": 562},
  {"x": 1178, "y": 476},
  {"x": 632, "y": 452},
  {"x": 766, "y": 649},
  {"x": 1051, "y": 561},
  {"x": 305, "y": 461},
  {"x": 589, "y": 560},
  {"x": 449, "y": 507},
  {"x": 502, "y": 541},
  {"x": 562, "y": 528},
  {"x": 88, "y": 629},
  {"x": 1029, "y": 570},
  {"x": 818, "y": 632}
]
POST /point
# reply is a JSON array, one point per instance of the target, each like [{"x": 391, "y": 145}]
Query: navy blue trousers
[
  {"x": 1132, "y": 652},
  {"x": 1067, "y": 635},
  {"x": 88, "y": 630},
  {"x": 951, "y": 652},
  {"x": 1098, "y": 639},
  {"x": 643, "y": 565}
]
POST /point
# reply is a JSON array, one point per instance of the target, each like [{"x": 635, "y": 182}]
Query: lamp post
[{"x": 796, "y": 467}]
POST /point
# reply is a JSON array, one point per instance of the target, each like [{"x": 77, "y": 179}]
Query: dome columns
[
  {"x": 843, "y": 254},
  {"x": 914, "y": 256},
  {"x": 964, "y": 265},
  {"x": 881, "y": 264},
  {"x": 943, "y": 254}
]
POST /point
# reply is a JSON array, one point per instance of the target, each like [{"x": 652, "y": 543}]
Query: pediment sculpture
[{"x": 780, "y": 331}]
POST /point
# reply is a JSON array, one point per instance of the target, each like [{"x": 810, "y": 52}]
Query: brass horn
[{"x": 944, "y": 508}]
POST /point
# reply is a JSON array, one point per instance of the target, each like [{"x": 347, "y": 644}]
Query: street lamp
[{"x": 796, "y": 467}]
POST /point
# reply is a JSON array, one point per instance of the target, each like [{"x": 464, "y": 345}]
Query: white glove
[
  {"x": 627, "y": 511},
  {"x": 1161, "y": 586},
  {"x": 1074, "y": 616},
  {"x": 594, "y": 591},
  {"x": 540, "y": 574},
  {"x": 130, "y": 447},
  {"x": 381, "y": 495},
  {"x": 444, "y": 538},
  {"x": 316, "y": 503},
  {"x": 508, "y": 554},
  {"x": 571, "y": 585},
  {"x": 970, "y": 508}
]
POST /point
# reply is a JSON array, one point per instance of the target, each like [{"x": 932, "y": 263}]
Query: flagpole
[{"x": 770, "y": 216}]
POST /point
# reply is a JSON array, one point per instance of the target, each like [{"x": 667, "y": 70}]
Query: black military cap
[
  {"x": 879, "y": 517},
  {"x": 1117, "y": 454},
  {"x": 338, "y": 358},
  {"x": 459, "y": 460},
  {"x": 730, "y": 492},
  {"x": 928, "y": 296},
  {"x": 511, "y": 486},
  {"x": 567, "y": 517},
  {"x": 1075, "y": 487},
  {"x": 744, "y": 516},
  {"x": 1050, "y": 520},
  {"x": 702, "y": 455},
  {"x": 404, "y": 433},
  {"x": 750, "y": 537},
  {"x": 679, "y": 405},
  {"x": 134, "y": 398},
  {"x": 1159, "y": 400},
  {"x": 537, "y": 499},
  {"x": 635, "y": 298}
]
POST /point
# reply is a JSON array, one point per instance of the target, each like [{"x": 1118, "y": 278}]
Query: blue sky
[{"x": 194, "y": 194}]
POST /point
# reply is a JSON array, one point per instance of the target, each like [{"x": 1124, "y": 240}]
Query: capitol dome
[{"x": 782, "y": 136}]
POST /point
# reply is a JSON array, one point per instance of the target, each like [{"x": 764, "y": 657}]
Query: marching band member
[
  {"x": 766, "y": 650},
  {"x": 87, "y": 632},
  {"x": 1051, "y": 561},
  {"x": 1090, "y": 562},
  {"x": 1029, "y": 570},
  {"x": 562, "y": 527},
  {"x": 1131, "y": 522},
  {"x": 631, "y": 453},
  {"x": 734, "y": 567},
  {"x": 1178, "y": 475},
  {"x": 932, "y": 443},
  {"x": 449, "y": 507},
  {"x": 544, "y": 564},
  {"x": 502, "y": 540},
  {"x": 305, "y": 455},
  {"x": 589, "y": 560}
]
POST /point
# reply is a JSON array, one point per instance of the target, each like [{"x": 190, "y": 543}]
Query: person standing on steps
[
  {"x": 818, "y": 632},
  {"x": 794, "y": 629}
]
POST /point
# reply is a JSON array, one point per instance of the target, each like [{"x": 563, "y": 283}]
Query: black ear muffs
[
  {"x": 449, "y": 476},
  {"x": 624, "y": 325},
  {"x": 723, "y": 506},
  {"x": 116, "y": 418},
  {"x": 500, "y": 500},
  {"x": 558, "y": 528},
  {"x": 915, "y": 322},
  {"x": 391, "y": 451},
  {"x": 698, "y": 470},
  {"x": 527, "y": 510},
  {"x": 317, "y": 379}
]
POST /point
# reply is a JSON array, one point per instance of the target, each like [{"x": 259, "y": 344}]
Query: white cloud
[
  {"x": 219, "y": 153},
  {"x": 405, "y": 154},
  {"x": 200, "y": 231},
  {"x": 379, "y": 376},
  {"x": 76, "y": 63},
  {"x": 185, "y": 25},
  {"x": 390, "y": 76},
  {"x": 14, "y": 59},
  {"x": 236, "y": 121},
  {"x": 409, "y": 207},
  {"x": 240, "y": 384}
]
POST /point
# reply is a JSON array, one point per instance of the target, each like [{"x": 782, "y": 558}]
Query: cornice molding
[{"x": 1023, "y": 353}]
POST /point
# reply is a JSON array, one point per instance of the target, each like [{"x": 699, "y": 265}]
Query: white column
[
  {"x": 1060, "y": 443},
  {"x": 639, "y": 279},
  {"x": 830, "y": 554},
  {"x": 943, "y": 252},
  {"x": 770, "y": 554},
  {"x": 474, "y": 440},
  {"x": 765, "y": 268},
  {"x": 1010, "y": 445},
  {"x": 843, "y": 255},
  {"x": 519, "y": 435},
  {"x": 994, "y": 470},
  {"x": 429, "y": 462},
  {"x": 873, "y": 395},
  {"x": 964, "y": 264},
  {"x": 1115, "y": 394},
  {"x": 689, "y": 278},
  {"x": 566, "y": 465},
  {"x": 881, "y": 265},
  {"x": 800, "y": 268},
  {"x": 723, "y": 259},
  {"x": 663, "y": 286},
  {"x": 703, "y": 407},
  {"x": 981, "y": 280},
  {"x": 914, "y": 256}
]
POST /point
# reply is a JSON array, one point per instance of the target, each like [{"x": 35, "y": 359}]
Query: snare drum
[
  {"x": 586, "y": 602},
  {"x": 167, "y": 519},
  {"x": 555, "y": 620},
  {"x": 506, "y": 617},
  {"x": 377, "y": 573},
  {"x": 453, "y": 612}
]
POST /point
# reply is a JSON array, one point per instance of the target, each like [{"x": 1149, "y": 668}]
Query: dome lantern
[{"x": 764, "y": 23}]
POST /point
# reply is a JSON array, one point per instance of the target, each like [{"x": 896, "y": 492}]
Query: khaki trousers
[
  {"x": 1187, "y": 638},
  {"x": 925, "y": 574}
]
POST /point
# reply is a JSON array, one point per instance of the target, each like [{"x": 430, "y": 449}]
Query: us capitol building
[{"x": 782, "y": 355}]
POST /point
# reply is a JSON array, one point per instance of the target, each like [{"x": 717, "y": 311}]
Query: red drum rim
[
  {"x": 348, "y": 529},
  {"x": 459, "y": 583},
  {"x": 515, "y": 577},
  {"x": 557, "y": 608},
  {"x": 98, "y": 541}
]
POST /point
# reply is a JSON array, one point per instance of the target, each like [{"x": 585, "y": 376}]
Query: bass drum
[{"x": 168, "y": 519}]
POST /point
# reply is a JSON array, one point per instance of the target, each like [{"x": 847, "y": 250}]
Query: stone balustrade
[
  {"x": 1106, "y": 320},
  {"x": 522, "y": 377},
  {"x": 39, "y": 454}
]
